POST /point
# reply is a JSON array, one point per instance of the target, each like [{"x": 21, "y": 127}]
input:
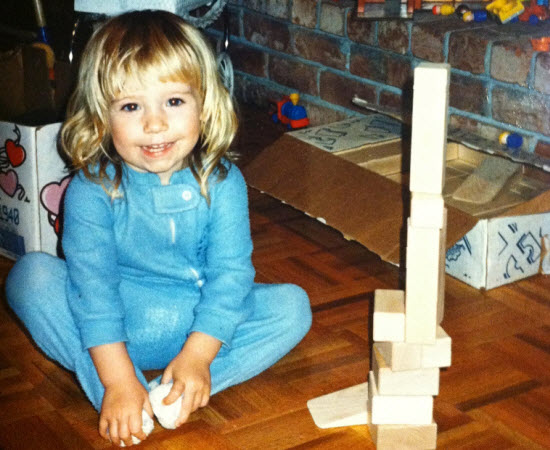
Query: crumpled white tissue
[
  {"x": 167, "y": 415},
  {"x": 147, "y": 426}
]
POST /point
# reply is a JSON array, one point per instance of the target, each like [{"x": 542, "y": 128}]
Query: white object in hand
[
  {"x": 147, "y": 426},
  {"x": 167, "y": 415}
]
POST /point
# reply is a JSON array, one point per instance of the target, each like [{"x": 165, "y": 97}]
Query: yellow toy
[{"x": 505, "y": 10}]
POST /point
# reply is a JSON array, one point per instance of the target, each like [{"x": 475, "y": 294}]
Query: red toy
[{"x": 290, "y": 113}]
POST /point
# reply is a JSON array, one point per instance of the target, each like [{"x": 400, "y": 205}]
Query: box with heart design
[{"x": 33, "y": 178}]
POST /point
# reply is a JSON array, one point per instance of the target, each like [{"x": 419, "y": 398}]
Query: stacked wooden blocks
[{"x": 410, "y": 346}]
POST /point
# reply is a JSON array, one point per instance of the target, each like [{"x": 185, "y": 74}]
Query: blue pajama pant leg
[
  {"x": 35, "y": 290},
  {"x": 280, "y": 318}
]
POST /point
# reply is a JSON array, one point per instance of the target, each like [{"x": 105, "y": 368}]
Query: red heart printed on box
[
  {"x": 9, "y": 182},
  {"x": 16, "y": 153}
]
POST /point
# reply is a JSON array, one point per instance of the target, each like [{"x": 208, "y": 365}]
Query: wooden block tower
[
  {"x": 404, "y": 375},
  {"x": 410, "y": 346}
]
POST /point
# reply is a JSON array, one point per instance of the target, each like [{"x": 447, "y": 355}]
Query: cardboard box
[
  {"x": 33, "y": 176},
  {"x": 488, "y": 245}
]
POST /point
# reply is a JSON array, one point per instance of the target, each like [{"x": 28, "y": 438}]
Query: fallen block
[
  {"x": 406, "y": 356},
  {"x": 389, "y": 315},
  {"x": 398, "y": 409},
  {"x": 409, "y": 382},
  {"x": 342, "y": 408}
]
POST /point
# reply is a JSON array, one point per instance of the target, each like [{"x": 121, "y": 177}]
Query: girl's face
[{"x": 155, "y": 127}]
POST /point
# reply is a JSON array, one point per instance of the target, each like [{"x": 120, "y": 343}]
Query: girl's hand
[
  {"x": 190, "y": 373},
  {"x": 121, "y": 412},
  {"x": 124, "y": 398}
]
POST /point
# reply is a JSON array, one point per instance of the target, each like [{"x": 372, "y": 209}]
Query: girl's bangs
[{"x": 150, "y": 65}]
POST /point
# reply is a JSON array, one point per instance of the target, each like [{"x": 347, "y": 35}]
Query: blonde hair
[{"x": 138, "y": 47}]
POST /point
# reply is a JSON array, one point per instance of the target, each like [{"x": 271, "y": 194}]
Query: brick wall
[{"x": 320, "y": 49}]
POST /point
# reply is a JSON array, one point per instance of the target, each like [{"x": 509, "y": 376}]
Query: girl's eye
[
  {"x": 175, "y": 101},
  {"x": 130, "y": 107}
]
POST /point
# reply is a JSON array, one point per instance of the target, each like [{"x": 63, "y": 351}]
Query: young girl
[{"x": 157, "y": 271}]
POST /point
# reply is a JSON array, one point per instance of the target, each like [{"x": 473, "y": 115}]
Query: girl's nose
[{"x": 155, "y": 122}]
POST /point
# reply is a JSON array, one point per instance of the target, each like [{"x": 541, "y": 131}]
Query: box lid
[{"x": 361, "y": 204}]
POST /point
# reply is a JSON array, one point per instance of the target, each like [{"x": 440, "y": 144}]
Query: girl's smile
[{"x": 155, "y": 127}]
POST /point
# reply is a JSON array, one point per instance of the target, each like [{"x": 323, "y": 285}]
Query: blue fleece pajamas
[{"x": 148, "y": 266}]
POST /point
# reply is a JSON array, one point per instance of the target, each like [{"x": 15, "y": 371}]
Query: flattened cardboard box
[{"x": 372, "y": 209}]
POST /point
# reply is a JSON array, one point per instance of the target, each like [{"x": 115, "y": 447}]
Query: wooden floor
[{"x": 496, "y": 394}]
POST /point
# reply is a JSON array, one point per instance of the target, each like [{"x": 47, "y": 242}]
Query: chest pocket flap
[{"x": 175, "y": 198}]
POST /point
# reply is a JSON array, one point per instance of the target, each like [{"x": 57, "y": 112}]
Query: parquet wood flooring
[{"x": 496, "y": 394}]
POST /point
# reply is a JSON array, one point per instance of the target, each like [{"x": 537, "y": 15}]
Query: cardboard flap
[
  {"x": 539, "y": 204},
  {"x": 361, "y": 204}
]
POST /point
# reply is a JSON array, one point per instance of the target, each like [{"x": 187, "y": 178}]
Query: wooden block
[
  {"x": 429, "y": 128},
  {"x": 398, "y": 409},
  {"x": 400, "y": 355},
  {"x": 408, "y": 382},
  {"x": 389, "y": 315},
  {"x": 439, "y": 354},
  {"x": 425, "y": 282},
  {"x": 342, "y": 408},
  {"x": 404, "y": 437},
  {"x": 406, "y": 356},
  {"x": 441, "y": 270},
  {"x": 427, "y": 210}
]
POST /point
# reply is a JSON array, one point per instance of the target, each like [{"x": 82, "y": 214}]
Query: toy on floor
[
  {"x": 511, "y": 140},
  {"x": 478, "y": 15},
  {"x": 541, "y": 44},
  {"x": 290, "y": 113},
  {"x": 443, "y": 10},
  {"x": 505, "y": 10},
  {"x": 534, "y": 13}
]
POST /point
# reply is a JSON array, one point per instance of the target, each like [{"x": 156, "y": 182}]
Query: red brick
[
  {"x": 526, "y": 110},
  {"x": 543, "y": 149},
  {"x": 319, "y": 48},
  {"x": 391, "y": 102},
  {"x": 278, "y": 8},
  {"x": 340, "y": 90},
  {"x": 393, "y": 35},
  {"x": 428, "y": 38},
  {"x": 249, "y": 60},
  {"x": 474, "y": 126},
  {"x": 542, "y": 73},
  {"x": 380, "y": 66},
  {"x": 264, "y": 31},
  {"x": 468, "y": 94},
  {"x": 250, "y": 92},
  {"x": 304, "y": 13},
  {"x": 293, "y": 74},
  {"x": 361, "y": 31},
  {"x": 256, "y": 5},
  {"x": 511, "y": 61},
  {"x": 333, "y": 17},
  {"x": 467, "y": 49}
]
